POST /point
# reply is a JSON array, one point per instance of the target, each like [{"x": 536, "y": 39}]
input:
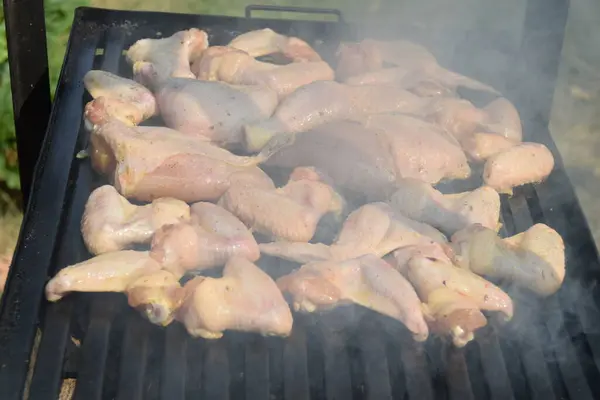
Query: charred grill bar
[{"x": 550, "y": 350}]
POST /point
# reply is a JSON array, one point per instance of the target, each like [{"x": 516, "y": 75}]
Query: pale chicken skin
[
  {"x": 534, "y": 259},
  {"x": 156, "y": 295},
  {"x": 447, "y": 212},
  {"x": 367, "y": 281},
  {"x": 213, "y": 236},
  {"x": 363, "y": 62},
  {"x": 266, "y": 41},
  {"x": 371, "y": 229},
  {"x": 519, "y": 165},
  {"x": 480, "y": 146},
  {"x": 170, "y": 57},
  {"x": 123, "y": 99},
  {"x": 147, "y": 163},
  {"x": 244, "y": 299},
  {"x": 111, "y": 223},
  {"x": 291, "y": 212},
  {"x": 226, "y": 64},
  {"x": 321, "y": 102}
]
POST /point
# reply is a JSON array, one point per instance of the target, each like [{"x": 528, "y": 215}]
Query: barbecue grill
[{"x": 551, "y": 349}]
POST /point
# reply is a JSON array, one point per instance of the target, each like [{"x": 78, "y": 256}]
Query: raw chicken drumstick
[
  {"x": 363, "y": 62},
  {"x": 367, "y": 281},
  {"x": 266, "y": 41},
  {"x": 519, "y": 165},
  {"x": 291, "y": 212},
  {"x": 212, "y": 237},
  {"x": 123, "y": 99},
  {"x": 372, "y": 229},
  {"x": 226, "y": 64},
  {"x": 112, "y": 223},
  {"x": 170, "y": 57},
  {"x": 447, "y": 212},
  {"x": 147, "y": 163},
  {"x": 244, "y": 299},
  {"x": 534, "y": 259},
  {"x": 154, "y": 292}
]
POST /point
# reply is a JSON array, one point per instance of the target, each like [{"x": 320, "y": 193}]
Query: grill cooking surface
[{"x": 551, "y": 349}]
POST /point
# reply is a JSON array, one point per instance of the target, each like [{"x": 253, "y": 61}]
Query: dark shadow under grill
[{"x": 550, "y": 350}]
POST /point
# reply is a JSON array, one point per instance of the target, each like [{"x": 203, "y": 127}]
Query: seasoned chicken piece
[
  {"x": 519, "y": 165},
  {"x": 481, "y": 146},
  {"x": 123, "y": 99},
  {"x": 238, "y": 68},
  {"x": 367, "y": 281},
  {"x": 244, "y": 299},
  {"x": 503, "y": 118},
  {"x": 266, "y": 41},
  {"x": 371, "y": 229},
  {"x": 111, "y": 223},
  {"x": 156, "y": 295},
  {"x": 447, "y": 212},
  {"x": 210, "y": 240},
  {"x": 170, "y": 57},
  {"x": 213, "y": 110},
  {"x": 291, "y": 212},
  {"x": 321, "y": 102},
  {"x": 147, "y": 163},
  {"x": 110, "y": 272},
  {"x": 534, "y": 259},
  {"x": 363, "y": 62}
]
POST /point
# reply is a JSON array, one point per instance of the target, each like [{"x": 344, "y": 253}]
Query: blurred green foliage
[{"x": 59, "y": 15}]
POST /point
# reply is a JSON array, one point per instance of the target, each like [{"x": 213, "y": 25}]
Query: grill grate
[{"x": 550, "y": 350}]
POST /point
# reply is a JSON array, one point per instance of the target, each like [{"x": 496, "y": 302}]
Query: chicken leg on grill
[
  {"x": 372, "y": 229},
  {"x": 147, "y": 163},
  {"x": 212, "y": 237},
  {"x": 367, "y": 281},
  {"x": 112, "y": 223},
  {"x": 289, "y": 213},
  {"x": 121, "y": 98},
  {"x": 534, "y": 259},
  {"x": 236, "y": 67},
  {"x": 266, "y": 41},
  {"x": 447, "y": 212},
  {"x": 244, "y": 299}
]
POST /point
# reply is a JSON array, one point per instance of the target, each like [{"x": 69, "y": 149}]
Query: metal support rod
[{"x": 30, "y": 82}]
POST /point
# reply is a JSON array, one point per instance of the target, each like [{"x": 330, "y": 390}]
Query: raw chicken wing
[
  {"x": 210, "y": 240},
  {"x": 123, "y": 99},
  {"x": 266, "y": 41},
  {"x": 146, "y": 163},
  {"x": 447, "y": 212},
  {"x": 481, "y": 146},
  {"x": 289, "y": 213},
  {"x": 237, "y": 67},
  {"x": 534, "y": 259},
  {"x": 372, "y": 229},
  {"x": 244, "y": 299},
  {"x": 112, "y": 223},
  {"x": 170, "y": 57},
  {"x": 519, "y": 165},
  {"x": 156, "y": 295}
]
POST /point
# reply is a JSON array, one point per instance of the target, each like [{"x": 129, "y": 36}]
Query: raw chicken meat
[
  {"x": 447, "y": 212},
  {"x": 266, "y": 41},
  {"x": 244, "y": 299},
  {"x": 170, "y": 57},
  {"x": 371, "y": 229},
  {"x": 321, "y": 102},
  {"x": 156, "y": 295},
  {"x": 111, "y": 223},
  {"x": 519, "y": 165},
  {"x": 363, "y": 62},
  {"x": 147, "y": 163},
  {"x": 210, "y": 240},
  {"x": 367, "y": 281},
  {"x": 123, "y": 99},
  {"x": 236, "y": 67},
  {"x": 534, "y": 259},
  {"x": 109, "y": 272},
  {"x": 481, "y": 146},
  {"x": 291, "y": 212}
]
